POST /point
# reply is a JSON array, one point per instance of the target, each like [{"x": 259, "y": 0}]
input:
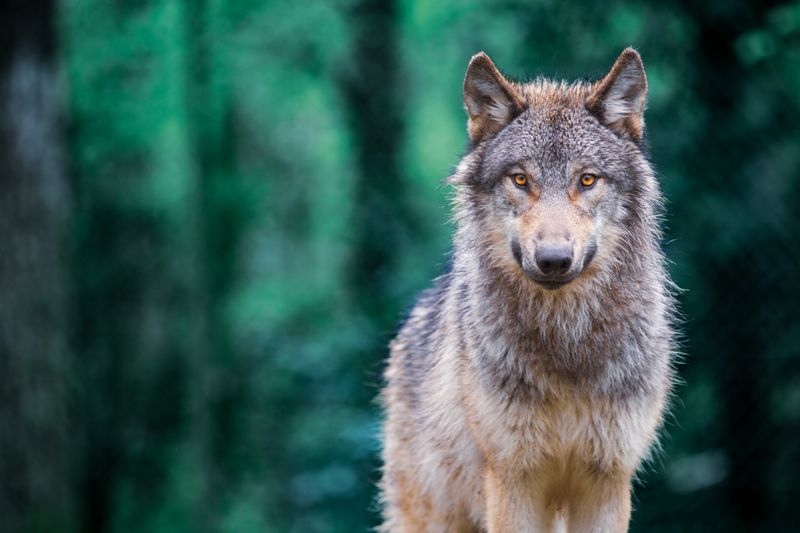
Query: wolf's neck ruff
[{"x": 581, "y": 333}]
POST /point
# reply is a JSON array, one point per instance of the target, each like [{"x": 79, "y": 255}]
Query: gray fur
[{"x": 498, "y": 386}]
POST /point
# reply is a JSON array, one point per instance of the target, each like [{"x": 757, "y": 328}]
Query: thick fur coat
[{"x": 528, "y": 385}]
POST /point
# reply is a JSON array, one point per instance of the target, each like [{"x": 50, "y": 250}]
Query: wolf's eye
[
  {"x": 588, "y": 180},
  {"x": 520, "y": 180}
]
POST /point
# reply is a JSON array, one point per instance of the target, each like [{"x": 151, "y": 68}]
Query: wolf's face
[
  {"x": 557, "y": 179},
  {"x": 557, "y": 167}
]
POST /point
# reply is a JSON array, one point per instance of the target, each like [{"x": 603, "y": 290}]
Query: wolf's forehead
[
  {"x": 548, "y": 133},
  {"x": 554, "y": 137},
  {"x": 555, "y": 131},
  {"x": 542, "y": 93}
]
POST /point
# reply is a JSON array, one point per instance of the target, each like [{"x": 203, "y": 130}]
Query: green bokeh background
[{"x": 254, "y": 196}]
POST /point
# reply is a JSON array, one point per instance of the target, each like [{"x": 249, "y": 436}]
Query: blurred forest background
[{"x": 214, "y": 214}]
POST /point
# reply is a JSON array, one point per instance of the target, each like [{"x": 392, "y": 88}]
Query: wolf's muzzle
[{"x": 552, "y": 265}]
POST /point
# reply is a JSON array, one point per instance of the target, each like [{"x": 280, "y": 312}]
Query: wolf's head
[{"x": 556, "y": 177}]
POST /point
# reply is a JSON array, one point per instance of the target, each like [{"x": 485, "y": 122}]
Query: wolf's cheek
[
  {"x": 499, "y": 230},
  {"x": 609, "y": 227},
  {"x": 606, "y": 237}
]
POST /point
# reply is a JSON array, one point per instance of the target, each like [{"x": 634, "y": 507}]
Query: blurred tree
[
  {"x": 738, "y": 276},
  {"x": 220, "y": 373},
  {"x": 141, "y": 311},
  {"x": 373, "y": 88},
  {"x": 36, "y": 448}
]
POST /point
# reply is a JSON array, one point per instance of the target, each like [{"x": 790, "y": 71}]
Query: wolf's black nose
[{"x": 553, "y": 260}]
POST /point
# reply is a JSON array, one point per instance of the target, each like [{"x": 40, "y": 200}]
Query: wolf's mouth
[{"x": 550, "y": 283}]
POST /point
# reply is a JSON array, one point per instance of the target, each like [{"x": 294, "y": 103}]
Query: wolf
[{"x": 529, "y": 384}]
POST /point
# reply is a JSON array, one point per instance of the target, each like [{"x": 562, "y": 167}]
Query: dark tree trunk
[
  {"x": 34, "y": 444},
  {"x": 372, "y": 85},
  {"x": 220, "y": 392},
  {"x": 140, "y": 306}
]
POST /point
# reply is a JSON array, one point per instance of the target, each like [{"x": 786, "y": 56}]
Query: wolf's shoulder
[
  {"x": 413, "y": 350},
  {"x": 424, "y": 315}
]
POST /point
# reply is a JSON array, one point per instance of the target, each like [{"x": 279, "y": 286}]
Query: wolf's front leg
[
  {"x": 601, "y": 505},
  {"x": 514, "y": 504}
]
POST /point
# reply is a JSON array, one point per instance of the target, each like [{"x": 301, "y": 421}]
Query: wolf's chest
[
  {"x": 556, "y": 427},
  {"x": 556, "y": 430}
]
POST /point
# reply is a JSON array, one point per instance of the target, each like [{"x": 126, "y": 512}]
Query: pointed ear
[
  {"x": 491, "y": 100},
  {"x": 618, "y": 100}
]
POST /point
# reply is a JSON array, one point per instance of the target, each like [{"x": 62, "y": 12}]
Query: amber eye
[
  {"x": 588, "y": 180},
  {"x": 520, "y": 180}
]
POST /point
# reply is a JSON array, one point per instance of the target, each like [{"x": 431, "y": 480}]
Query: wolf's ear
[
  {"x": 618, "y": 100},
  {"x": 491, "y": 100}
]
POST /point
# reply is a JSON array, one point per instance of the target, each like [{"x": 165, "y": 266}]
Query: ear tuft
[
  {"x": 618, "y": 100},
  {"x": 490, "y": 99}
]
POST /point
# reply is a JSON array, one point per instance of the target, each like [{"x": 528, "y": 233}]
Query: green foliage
[{"x": 258, "y": 199}]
